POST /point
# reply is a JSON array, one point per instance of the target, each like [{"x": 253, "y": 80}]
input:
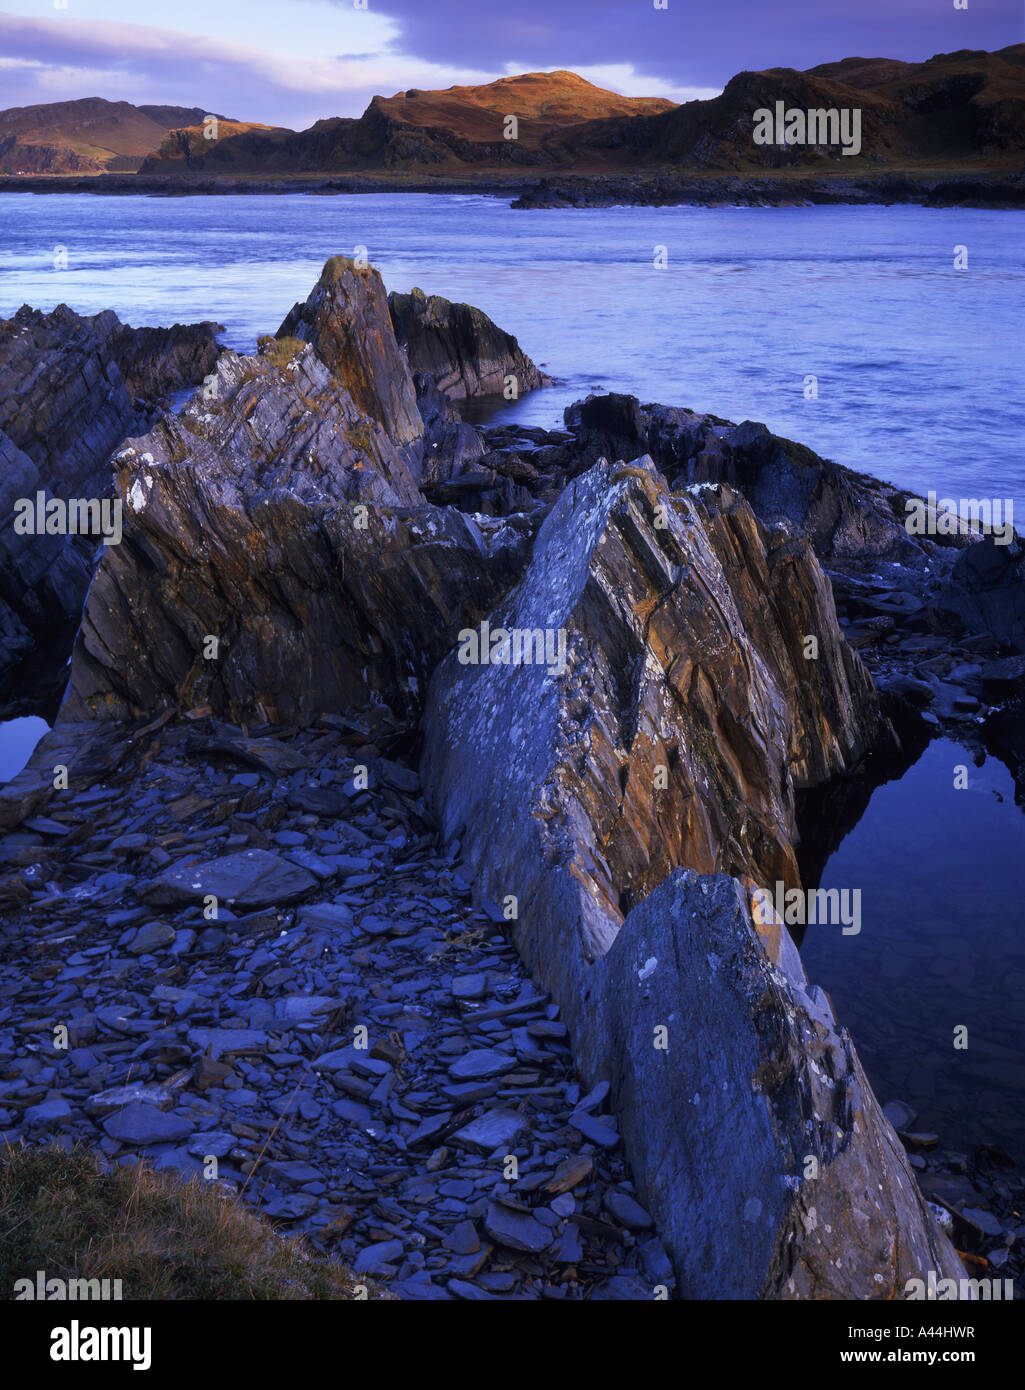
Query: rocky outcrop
[
  {"x": 71, "y": 388},
  {"x": 69, "y": 383},
  {"x": 843, "y": 514},
  {"x": 346, "y": 319},
  {"x": 687, "y": 709},
  {"x": 451, "y": 445},
  {"x": 277, "y": 518},
  {"x": 758, "y": 1143},
  {"x": 465, "y": 352},
  {"x": 686, "y": 715},
  {"x": 986, "y": 590}
]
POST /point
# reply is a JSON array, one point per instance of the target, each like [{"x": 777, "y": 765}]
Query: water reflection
[{"x": 939, "y": 856}]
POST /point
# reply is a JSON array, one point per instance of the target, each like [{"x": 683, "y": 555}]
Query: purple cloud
[{"x": 695, "y": 44}]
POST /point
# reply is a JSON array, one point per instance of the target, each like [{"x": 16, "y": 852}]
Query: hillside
[
  {"x": 89, "y": 136},
  {"x": 966, "y": 107},
  {"x": 443, "y": 130}
]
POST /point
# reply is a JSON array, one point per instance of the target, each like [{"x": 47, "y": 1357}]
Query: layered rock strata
[{"x": 687, "y": 710}]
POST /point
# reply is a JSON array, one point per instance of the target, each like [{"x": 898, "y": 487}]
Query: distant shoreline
[{"x": 983, "y": 189}]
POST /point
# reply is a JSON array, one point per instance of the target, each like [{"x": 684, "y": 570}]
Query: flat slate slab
[
  {"x": 492, "y": 1130},
  {"x": 480, "y": 1064},
  {"x": 251, "y": 878},
  {"x": 139, "y": 1123}
]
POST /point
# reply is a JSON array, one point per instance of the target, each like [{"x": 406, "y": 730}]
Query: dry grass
[
  {"x": 163, "y": 1238},
  {"x": 280, "y": 351}
]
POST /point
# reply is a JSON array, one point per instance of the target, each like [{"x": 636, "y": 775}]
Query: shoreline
[{"x": 970, "y": 189}]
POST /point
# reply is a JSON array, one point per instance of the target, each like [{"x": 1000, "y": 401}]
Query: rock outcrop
[
  {"x": 71, "y": 388},
  {"x": 346, "y": 319},
  {"x": 759, "y": 1145},
  {"x": 986, "y": 590},
  {"x": 686, "y": 715},
  {"x": 843, "y": 514},
  {"x": 624, "y": 679},
  {"x": 687, "y": 709},
  {"x": 274, "y": 560},
  {"x": 465, "y": 352}
]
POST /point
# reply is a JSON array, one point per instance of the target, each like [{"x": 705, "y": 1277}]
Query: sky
[{"x": 297, "y": 61}]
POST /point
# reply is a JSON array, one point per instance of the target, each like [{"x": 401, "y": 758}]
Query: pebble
[{"x": 236, "y": 1036}]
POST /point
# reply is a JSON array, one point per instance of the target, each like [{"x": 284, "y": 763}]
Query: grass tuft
[{"x": 73, "y": 1217}]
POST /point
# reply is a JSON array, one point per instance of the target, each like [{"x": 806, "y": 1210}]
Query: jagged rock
[
  {"x": 67, "y": 383},
  {"x": 685, "y": 654},
  {"x": 451, "y": 446},
  {"x": 756, "y": 1078},
  {"x": 346, "y": 319},
  {"x": 841, "y": 512},
  {"x": 87, "y": 751},
  {"x": 465, "y": 352},
  {"x": 279, "y": 517},
  {"x": 686, "y": 716},
  {"x": 67, "y": 397},
  {"x": 244, "y": 520}
]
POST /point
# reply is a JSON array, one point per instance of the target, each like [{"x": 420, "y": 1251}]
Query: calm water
[
  {"x": 942, "y": 873},
  {"x": 918, "y": 365},
  {"x": 18, "y": 739}
]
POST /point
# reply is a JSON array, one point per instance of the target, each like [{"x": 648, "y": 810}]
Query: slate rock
[
  {"x": 251, "y": 878},
  {"x": 517, "y": 1230},
  {"x": 139, "y": 1123}
]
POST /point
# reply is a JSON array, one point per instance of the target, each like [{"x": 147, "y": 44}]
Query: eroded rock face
[
  {"x": 843, "y": 514},
  {"x": 686, "y": 716},
  {"x": 71, "y": 388},
  {"x": 346, "y": 319},
  {"x": 68, "y": 385},
  {"x": 754, "y": 1088},
  {"x": 465, "y": 352},
  {"x": 271, "y": 518}
]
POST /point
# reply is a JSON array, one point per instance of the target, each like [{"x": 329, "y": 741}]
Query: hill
[
  {"x": 88, "y": 136},
  {"x": 959, "y": 112},
  {"x": 442, "y": 131},
  {"x": 956, "y": 107}
]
